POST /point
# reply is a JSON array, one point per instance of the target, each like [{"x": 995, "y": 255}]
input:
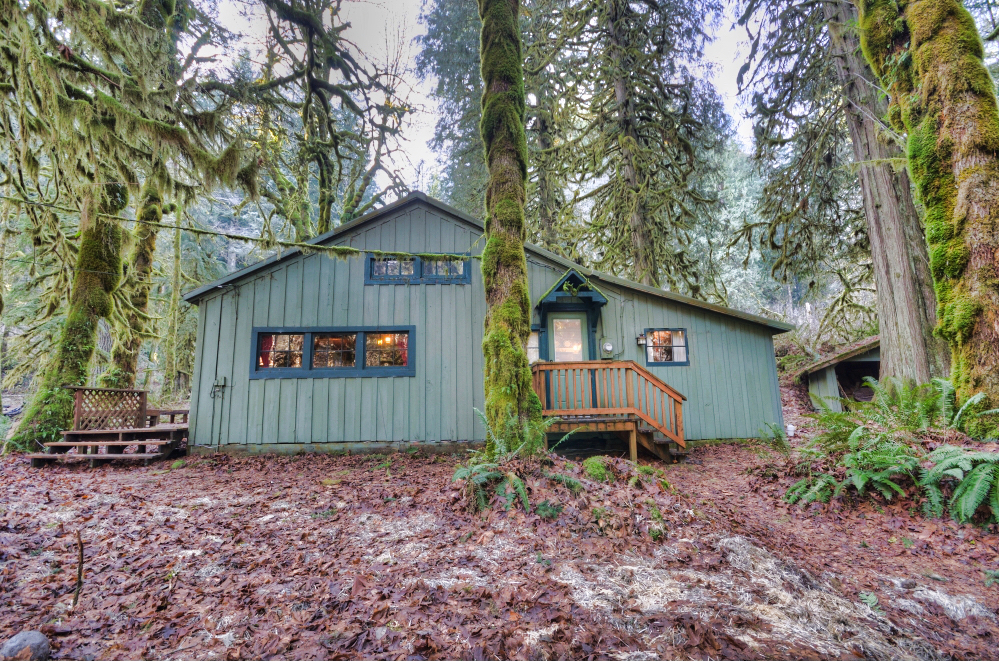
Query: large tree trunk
[
  {"x": 906, "y": 302},
  {"x": 929, "y": 57},
  {"x": 172, "y": 384},
  {"x": 511, "y": 403},
  {"x": 641, "y": 241},
  {"x": 128, "y": 341},
  {"x": 98, "y": 270}
]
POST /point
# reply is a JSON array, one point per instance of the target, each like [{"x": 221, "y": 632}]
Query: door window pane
[
  {"x": 334, "y": 350},
  {"x": 386, "y": 349},
  {"x": 533, "y": 353},
  {"x": 280, "y": 350},
  {"x": 568, "y": 337}
]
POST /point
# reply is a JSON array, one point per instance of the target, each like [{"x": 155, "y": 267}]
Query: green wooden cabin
[{"x": 303, "y": 351}]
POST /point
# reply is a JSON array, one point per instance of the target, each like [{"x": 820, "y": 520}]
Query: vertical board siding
[
  {"x": 731, "y": 383},
  {"x": 199, "y": 352}
]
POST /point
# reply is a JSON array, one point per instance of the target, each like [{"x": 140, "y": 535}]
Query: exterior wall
[
  {"x": 731, "y": 382},
  {"x": 824, "y": 390},
  {"x": 317, "y": 290}
]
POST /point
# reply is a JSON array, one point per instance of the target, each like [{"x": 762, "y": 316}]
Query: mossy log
[
  {"x": 508, "y": 390},
  {"x": 928, "y": 55},
  {"x": 97, "y": 274}
]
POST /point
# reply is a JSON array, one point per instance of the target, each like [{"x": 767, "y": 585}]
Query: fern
[
  {"x": 573, "y": 484},
  {"x": 814, "y": 488},
  {"x": 478, "y": 477},
  {"x": 976, "y": 474}
]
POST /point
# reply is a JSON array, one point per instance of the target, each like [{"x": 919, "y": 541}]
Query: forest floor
[{"x": 379, "y": 557}]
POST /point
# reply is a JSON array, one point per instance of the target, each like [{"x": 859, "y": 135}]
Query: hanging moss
[
  {"x": 929, "y": 56},
  {"x": 509, "y": 394},
  {"x": 98, "y": 271},
  {"x": 130, "y": 326}
]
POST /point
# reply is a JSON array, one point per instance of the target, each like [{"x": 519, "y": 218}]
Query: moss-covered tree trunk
[
  {"x": 631, "y": 171},
  {"x": 171, "y": 377},
  {"x": 509, "y": 396},
  {"x": 928, "y": 55},
  {"x": 906, "y": 301},
  {"x": 98, "y": 271},
  {"x": 128, "y": 340}
]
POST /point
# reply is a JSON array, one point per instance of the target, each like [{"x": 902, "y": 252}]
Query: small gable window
[
  {"x": 388, "y": 268},
  {"x": 666, "y": 347},
  {"x": 441, "y": 270},
  {"x": 280, "y": 350}
]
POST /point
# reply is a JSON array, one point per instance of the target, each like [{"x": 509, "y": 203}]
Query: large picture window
[
  {"x": 333, "y": 352},
  {"x": 384, "y": 270},
  {"x": 666, "y": 347}
]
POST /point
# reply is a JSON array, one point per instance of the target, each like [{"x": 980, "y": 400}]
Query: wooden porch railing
[
  {"x": 104, "y": 408},
  {"x": 610, "y": 388}
]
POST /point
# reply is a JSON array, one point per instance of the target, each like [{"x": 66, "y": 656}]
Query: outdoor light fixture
[{"x": 640, "y": 339}]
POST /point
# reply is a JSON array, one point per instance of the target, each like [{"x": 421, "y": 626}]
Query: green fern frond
[
  {"x": 934, "y": 505},
  {"x": 970, "y": 402},
  {"x": 519, "y": 488},
  {"x": 972, "y": 491}
]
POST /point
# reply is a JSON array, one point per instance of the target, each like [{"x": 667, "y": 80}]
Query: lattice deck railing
[{"x": 108, "y": 408}]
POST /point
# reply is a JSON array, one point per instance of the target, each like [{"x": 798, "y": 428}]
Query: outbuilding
[
  {"x": 840, "y": 374},
  {"x": 306, "y": 351}
]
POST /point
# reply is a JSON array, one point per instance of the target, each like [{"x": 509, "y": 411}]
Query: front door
[{"x": 569, "y": 336}]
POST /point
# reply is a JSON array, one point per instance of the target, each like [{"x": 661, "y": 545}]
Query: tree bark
[
  {"x": 511, "y": 404},
  {"x": 171, "y": 377},
  {"x": 128, "y": 341},
  {"x": 906, "y": 302},
  {"x": 98, "y": 271},
  {"x": 929, "y": 55},
  {"x": 641, "y": 242}
]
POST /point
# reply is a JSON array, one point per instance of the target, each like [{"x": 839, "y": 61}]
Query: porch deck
[
  {"x": 115, "y": 420},
  {"x": 613, "y": 396}
]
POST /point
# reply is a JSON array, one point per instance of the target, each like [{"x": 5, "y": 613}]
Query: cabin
[
  {"x": 308, "y": 352},
  {"x": 839, "y": 375}
]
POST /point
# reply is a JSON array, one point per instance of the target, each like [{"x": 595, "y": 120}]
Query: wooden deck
[
  {"x": 613, "y": 396},
  {"x": 116, "y": 420}
]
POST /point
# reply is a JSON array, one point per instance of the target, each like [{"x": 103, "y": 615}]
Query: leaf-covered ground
[{"x": 347, "y": 557}]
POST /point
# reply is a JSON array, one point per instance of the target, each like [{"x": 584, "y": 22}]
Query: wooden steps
[
  {"x": 41, "y": 459},
  {"x": 74, "y": 444}
]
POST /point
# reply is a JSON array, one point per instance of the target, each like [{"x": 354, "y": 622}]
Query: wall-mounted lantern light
[{"x": 640, "y": 339}]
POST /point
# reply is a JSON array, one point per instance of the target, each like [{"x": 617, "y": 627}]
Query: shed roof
[
  {"x": 195, "y": 295},
  {"x": 843, "y": 353}
]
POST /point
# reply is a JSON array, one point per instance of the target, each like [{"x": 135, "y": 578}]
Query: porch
[{"x": 618, "y": 397}]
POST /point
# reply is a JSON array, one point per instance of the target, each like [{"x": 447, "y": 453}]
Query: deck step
[
  {"x": 134, "y": 442},
  {"x": 101, "y": 456},
  {"x": 166, "y": 427}
]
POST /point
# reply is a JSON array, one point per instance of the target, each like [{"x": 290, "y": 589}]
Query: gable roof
[
  {"x": 841, "y": 354},
  {"x": 416, "y": 196}
]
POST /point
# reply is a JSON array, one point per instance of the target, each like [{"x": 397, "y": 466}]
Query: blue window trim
[
  {"x": 308, "y": 372},
  {"x": 686, "y": 345},
  {"x": 418, "y": 278}
]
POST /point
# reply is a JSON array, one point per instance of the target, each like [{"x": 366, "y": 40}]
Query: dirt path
[
  {"x": 926, "y": 574},
  {"x": 320, "y": 557}
]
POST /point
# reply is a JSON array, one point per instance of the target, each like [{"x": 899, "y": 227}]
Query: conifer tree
[
  {"x": 509, "y": 394},
  {"x": 835, "y": 204},
  {"x": 928, "y": 55}
]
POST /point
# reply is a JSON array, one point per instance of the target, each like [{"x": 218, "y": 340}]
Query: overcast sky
[{"x": 379, "y": 25}]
